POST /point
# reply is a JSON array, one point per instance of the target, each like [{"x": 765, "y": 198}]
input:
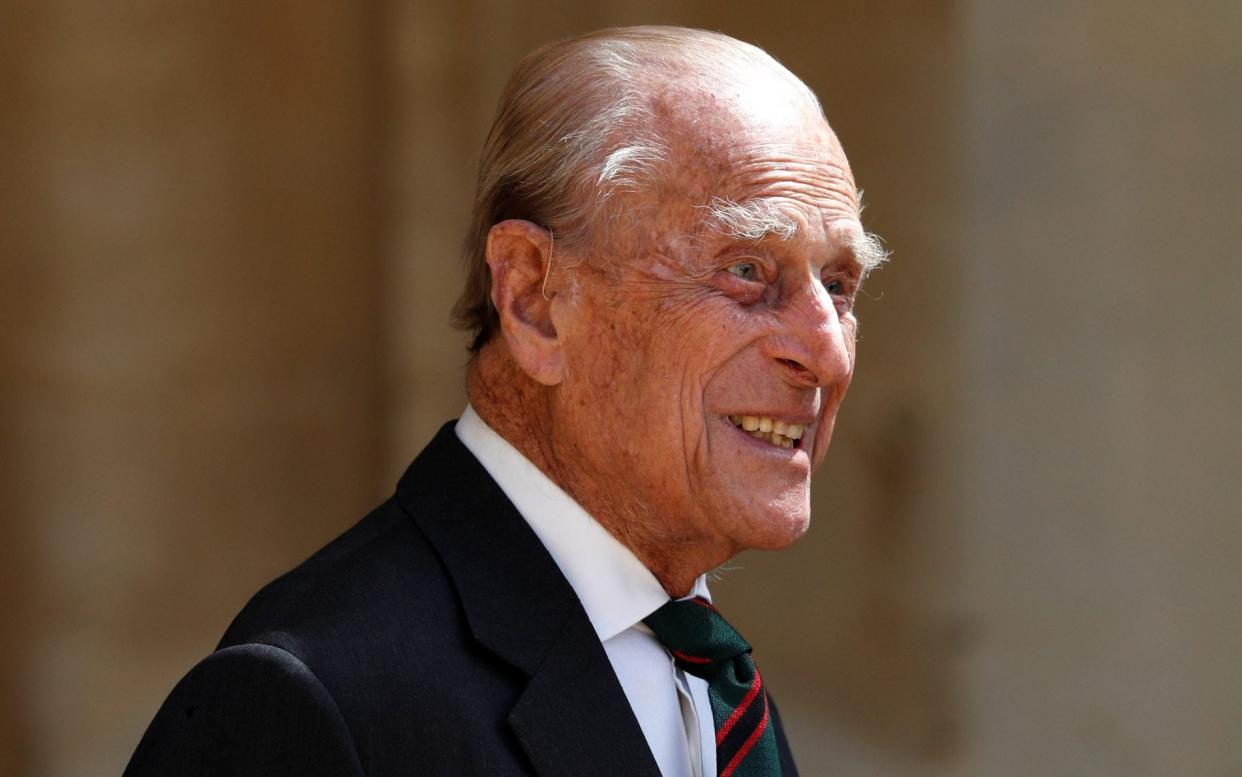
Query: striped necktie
[{"x": 706, "y": 646}]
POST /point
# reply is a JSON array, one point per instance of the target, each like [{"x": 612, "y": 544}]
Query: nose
[{"x": 813, "y": 347}]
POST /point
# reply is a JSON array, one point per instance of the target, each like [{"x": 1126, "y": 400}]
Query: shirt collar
[{"x": 615, "y": 589}]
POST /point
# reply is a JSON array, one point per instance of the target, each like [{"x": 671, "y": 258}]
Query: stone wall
[
  {"x": 1102, "y": 540},
  {"x": 192, "y": 381}
]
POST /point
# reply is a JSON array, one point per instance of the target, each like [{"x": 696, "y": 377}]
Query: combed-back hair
[{"x": 573, "y": 128}]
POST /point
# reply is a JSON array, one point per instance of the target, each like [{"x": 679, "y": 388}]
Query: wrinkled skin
[{"x": 620, "y": 386}]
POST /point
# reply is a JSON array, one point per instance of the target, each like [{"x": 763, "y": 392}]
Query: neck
[{"x": 520, "y": 410}]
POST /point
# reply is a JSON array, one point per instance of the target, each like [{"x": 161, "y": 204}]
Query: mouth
[{"x": 774, "y": 431}]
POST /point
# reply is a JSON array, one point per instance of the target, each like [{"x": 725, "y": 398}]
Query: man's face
[{"x": 685, "y": 335}]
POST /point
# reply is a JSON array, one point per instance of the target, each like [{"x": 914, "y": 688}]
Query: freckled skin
[{"x": 658, "y": 341}]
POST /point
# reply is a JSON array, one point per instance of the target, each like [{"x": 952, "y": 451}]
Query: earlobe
[{"x": 519, "y": 255}]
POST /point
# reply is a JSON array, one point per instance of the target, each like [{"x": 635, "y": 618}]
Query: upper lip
[{"x": 789, "y": 418}]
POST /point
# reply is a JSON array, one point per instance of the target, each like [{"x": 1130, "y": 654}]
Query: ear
[{"x": 518, "y": 253}]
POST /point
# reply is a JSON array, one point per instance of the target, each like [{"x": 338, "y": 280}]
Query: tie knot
[{"x": 699, "y": 638}]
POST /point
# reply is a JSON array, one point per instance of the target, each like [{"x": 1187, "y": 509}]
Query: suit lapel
[
  {"x": 572, "y": 718},
  {"x": 562, "y": 723}
]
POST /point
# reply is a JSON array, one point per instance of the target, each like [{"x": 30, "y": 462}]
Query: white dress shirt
[{"x": 617, "y": 592}]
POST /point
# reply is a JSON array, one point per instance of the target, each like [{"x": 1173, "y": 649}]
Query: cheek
[
  {"x": 849, "y": 331},
  {"x": 709, "y": 332},
  {"x": 619, "y": 382},
  {"x": 599, "y": 346}
]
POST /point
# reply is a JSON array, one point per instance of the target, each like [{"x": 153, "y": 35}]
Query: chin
[
  {"x": 785, "y": 533},
  {"x": 775, "y": 525}
]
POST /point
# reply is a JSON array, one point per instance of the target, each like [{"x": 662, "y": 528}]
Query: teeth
[{"x": 770, "y": 430}]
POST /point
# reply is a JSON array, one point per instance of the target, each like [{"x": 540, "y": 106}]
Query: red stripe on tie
[
  {"x": 704, "y": 603},
  {"x": 748, "y": 744},
  {"x": 755, "y": 686},
  {"x": 690, "y": 659}
]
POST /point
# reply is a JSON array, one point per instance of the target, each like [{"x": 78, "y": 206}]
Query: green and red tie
[{"x": 705, "y": 645}]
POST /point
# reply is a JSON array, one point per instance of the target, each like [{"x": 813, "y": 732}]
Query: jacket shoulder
[
  {"x": 377, "y": 580},
  {"x": 376, "y": 618},
  {"x": 247, "y": 710}
]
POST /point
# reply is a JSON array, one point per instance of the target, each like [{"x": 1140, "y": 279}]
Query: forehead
[
  {"x": 756, "y": 140},
  {"x": 809, "y": 185},
  {"x": 799, "y": 199}
]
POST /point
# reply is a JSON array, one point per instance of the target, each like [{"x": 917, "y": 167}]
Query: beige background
[{"x": 230, "y": 233}]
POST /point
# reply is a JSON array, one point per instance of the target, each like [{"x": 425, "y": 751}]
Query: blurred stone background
[{"x": 230, "y": 239}]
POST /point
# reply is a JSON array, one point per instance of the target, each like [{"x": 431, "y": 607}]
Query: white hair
[
  {"x": 869, "y": 251},
  {"x": 751, "y": 220},
  {"x": 760, "y": 217}
]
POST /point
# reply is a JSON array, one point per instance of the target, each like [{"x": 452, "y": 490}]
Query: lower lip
[{"x": 772, "y": 450}]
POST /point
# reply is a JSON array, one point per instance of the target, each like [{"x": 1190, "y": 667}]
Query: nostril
[{"x": 799, "y": 372}]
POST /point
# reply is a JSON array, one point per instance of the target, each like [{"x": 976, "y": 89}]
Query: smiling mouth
[{"x": 770, "y": 430}]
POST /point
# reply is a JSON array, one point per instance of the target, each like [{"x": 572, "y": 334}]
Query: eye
[
  {"x": 842, "y": 291},
  {"x": 747, "y": 271}
]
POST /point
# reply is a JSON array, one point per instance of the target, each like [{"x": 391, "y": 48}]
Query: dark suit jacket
[{"x": 435, "y": 637}]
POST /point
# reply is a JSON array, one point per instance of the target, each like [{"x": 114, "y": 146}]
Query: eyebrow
[
  {"x": 751, "y": 220},
  {"x": 759, "y": 218},
  {"x": 869, "y": 251}
]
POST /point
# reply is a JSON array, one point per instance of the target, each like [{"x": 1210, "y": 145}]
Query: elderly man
[{"x": 663, "y": 263}]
